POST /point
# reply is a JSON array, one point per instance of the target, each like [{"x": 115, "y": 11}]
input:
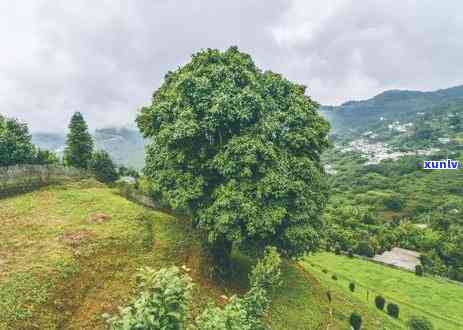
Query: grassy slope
[
  {"x": 415, "y": 295},
  {"x": 63, "y": 266}
]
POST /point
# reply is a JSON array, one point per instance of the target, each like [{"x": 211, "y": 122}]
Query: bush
[
  {"x": 419, "y": 323},
  {"x": 163, "y": 300},
  {"x": 350, "y": 253},
  {"x": 352, "y": 286},
  {"x": 337, "y": 249},
  {"x": 355, "y": 321},
  {"x": 419, "y": 270},
  {"x": 380, "y": 302},
  {"x": 325, "y": 271},
  {"x": 365, "y": 249},
  {"x": 393, "y": 310},
  {"x": 103, "y": 167},
  {"x": 334, "y": 277}
]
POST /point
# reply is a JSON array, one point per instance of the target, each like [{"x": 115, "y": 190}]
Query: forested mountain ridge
[{"x": 392, "y": 104}]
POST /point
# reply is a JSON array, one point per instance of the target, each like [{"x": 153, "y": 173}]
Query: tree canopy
[
  {"x": 79, "y": 143},
  {"x": 240, "y": 150},
  {"x": 15, "y": 143},
  {"x": 103, "y": 167}
]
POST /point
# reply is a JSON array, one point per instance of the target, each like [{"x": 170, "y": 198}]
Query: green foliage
[
  {"x": 352, "y": 286},
  {"x": 419, "y": 323},
  {"x": 334, "y": 277},
  {"x": 419, "y": 270},
  {"x": 15, "y": 143},
  {"x": 393, "y": 310},
  {"x": 240, "y": 150},
  {"x": 380, "y": 302},
  {"x": 161, "y": 304},
  {"x": 246, "y": 312},
  {"x": 364, "y": 248},
  {"x": 43, "y": 157},
  {"x": 103, "y": 167},
  {"x": 79, "y": 143},
  {"x": 355, "y": 321}
]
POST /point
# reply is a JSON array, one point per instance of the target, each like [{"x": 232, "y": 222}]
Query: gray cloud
[{"x": 106, "y": 58}]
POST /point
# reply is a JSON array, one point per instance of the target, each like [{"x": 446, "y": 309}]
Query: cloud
[{"x": 106, "y": 58}]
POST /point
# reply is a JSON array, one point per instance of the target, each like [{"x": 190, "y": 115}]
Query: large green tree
[
  {"x": 15, "y": 143},
  {"x": 79, "y": 143},
  {"x": 103, "y": 167},
  {"x": 240, "y": 150}
]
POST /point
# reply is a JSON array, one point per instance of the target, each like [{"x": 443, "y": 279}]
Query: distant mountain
[
  {"x": 390, "y": 105},
  {"x": 125, "y": 145}
]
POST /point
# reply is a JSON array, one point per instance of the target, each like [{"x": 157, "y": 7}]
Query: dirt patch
[
  {"x": 76, "y": 238},
  {"x": 99, "y": 217}
]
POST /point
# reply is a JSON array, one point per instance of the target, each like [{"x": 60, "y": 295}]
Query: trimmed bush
[
  {"x": 393, "y": 310},
  {"x": 352, "y": 286},
  {"x": 334, "y": 277},
  {"x": 325, "y": 271},
  {"x": 380, "y": 302},
  {"x": 355, "y": 321},
  {"x": 350, "y": 253},
  {"x": 419, "y": 270},
  {"x": 365, "y": 249},
  {"x": 419, "y": 323}
]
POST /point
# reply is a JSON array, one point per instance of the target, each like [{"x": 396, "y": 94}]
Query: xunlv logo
[{"x": 440, "y": 164}]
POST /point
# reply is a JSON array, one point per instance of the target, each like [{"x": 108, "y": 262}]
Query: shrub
[
  {"x": 334, "y": 277},
  {"x": 352, "y": 286},
  {"x": 365, "y": 249},
  {"x": 337, "y": 249},
  {"x": 380, "y": 302},
  {"x": 419, "y": 270},
  {"x": 393, "y": 310},
  {"x": 419, "y": 323},
  {"x": 103, "y": 167},
  {"x": 325, "y": 271},
  {"x": 355, "y": 321},
  {"x": 161, "y": 304}
]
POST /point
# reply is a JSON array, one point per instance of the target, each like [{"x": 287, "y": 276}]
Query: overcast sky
[{"x": 105, "y": 58}]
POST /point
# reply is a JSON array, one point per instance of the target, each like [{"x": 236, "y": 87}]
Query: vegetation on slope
[
  {"x": 69, "y": 254},
  {"x": 439, "y": 301}
]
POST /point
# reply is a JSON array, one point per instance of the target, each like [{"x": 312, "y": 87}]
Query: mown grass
[
  {"x": 68, "y": 254},
  {"x": 437, "y": 300}
]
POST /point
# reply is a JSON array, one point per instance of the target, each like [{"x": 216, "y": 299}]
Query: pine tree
[{"x": 79, "y": 143}]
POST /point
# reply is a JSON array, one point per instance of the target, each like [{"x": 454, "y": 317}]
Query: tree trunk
[{"x": 221, "y": 253}]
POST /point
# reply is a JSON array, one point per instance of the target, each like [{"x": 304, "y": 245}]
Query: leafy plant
[
  {"x": 162, "y": 302},
  {"x": 380, "y": 302},
  {"x": 352, "y": 286},
  {"x": 355, "y": 321},
  {"x": 393, "y": 310}
]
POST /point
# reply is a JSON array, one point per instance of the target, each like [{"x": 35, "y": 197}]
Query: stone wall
[{"x": 21, "y": 178}]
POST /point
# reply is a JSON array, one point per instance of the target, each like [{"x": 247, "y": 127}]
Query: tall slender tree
[{"x": 79, "y": 143}]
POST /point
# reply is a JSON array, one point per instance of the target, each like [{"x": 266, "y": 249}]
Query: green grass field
[
  {"x": 438, "y": 300},
  {"x": 69, "y": 253}
]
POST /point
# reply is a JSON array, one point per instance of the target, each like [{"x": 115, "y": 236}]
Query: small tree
[
  {"x": 79, "y": 143},
  {"x": 355, "y": 321},
  {"x": 103, "y": 167},
  {"x": 393, "y": 310},
  {"x": 45, "y": 157},
  {"x": 364, "y": 248},
  {"x": 419, "y": 323},
  {"x": 419, "y": 270},
  {"x": 380, "y": 302},
  {"x": 352, "y": 286}
]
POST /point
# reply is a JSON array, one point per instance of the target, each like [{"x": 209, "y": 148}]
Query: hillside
[
  {"x": 389, "y": 105},
  {"x": 410, "y": 292},
  {"x": 69, "y": 254},
  {"x": 125, "y": 145}
]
